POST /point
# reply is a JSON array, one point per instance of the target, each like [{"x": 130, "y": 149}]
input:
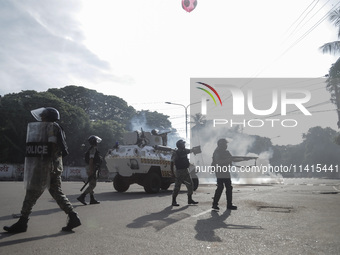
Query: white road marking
[
  {"x": 336, "y": 188},
  {"x": 197, "y": 215}
]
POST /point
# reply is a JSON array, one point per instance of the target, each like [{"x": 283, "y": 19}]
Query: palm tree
[
  {"x": 333, "y": 47},
  {"x": 199, "y": 121},
  {"x": 334, "y": 72},
  {"x": 333, "y": 86}
]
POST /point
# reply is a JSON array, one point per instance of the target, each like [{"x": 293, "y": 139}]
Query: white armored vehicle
[{"x": 145, "y": 159}]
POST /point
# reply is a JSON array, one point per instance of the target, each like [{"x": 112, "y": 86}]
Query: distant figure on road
[
  {"x": 93, "y": 159},
  {"x": 223, "y": 158},
  {"x": 45, "y": 147},
  {"x": 181, "y": 161}
]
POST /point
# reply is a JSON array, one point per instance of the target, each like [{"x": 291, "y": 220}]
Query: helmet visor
[
  {"x": 37, "y": 113},
  {"x": 94, "y": 139},
  {"x": 98, "y": 139}
]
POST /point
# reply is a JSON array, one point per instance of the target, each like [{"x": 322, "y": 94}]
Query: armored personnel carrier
[{"x": 145, "y": 159}]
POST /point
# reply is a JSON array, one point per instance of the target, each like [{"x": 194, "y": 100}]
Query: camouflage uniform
[
  {"x": 55, "y": 167},
  {"x": 182, "y": 176},
  {"x": 45, "y": 147},
  {"x": 93, "y": 159},
  {"x": 93, "y": 181}
]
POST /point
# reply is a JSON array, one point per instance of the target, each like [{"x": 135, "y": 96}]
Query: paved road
[{"x": 300, "y": 216}]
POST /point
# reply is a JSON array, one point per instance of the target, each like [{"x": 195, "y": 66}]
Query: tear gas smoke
[{"x": 239, "y": 145}]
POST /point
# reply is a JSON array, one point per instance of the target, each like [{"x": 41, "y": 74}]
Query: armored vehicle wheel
[
  {"x": 120, "y": 184},
  {"x": 152, "y": 183}
]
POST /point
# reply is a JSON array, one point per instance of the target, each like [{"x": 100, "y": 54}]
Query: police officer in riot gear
[
  {"x": 181, "y": 161},
  {"x": 43, "y": 167},
  {"x": 222, "y": 157},
  {"x": 93, "y": 161}
]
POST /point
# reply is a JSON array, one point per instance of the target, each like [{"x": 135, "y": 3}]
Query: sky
[{"x": 145, "y": 52}]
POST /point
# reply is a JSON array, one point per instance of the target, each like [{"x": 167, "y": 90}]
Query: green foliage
[
  {"x": 83, "y": 112},
  {"x": 333, "y": 81},
  {"x": 333, "y": 47},
  {"x": 110, "y": 131},
  {"x": 318, "y": 147},
  {"x": 15, "y": 111},
  {"x": 96, "y": 105}
]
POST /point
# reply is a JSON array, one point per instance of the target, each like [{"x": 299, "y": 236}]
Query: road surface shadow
[
  {"x": 16, "y": 215},
  {"x": 4, "y": 235},
  {"x": 119, "y": 196},
  {"x": 160, "y": 220},
  {"x": 205, "y": 228}
]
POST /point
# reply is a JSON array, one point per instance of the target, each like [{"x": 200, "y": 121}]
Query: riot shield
[{"x": 38, "y": 158}]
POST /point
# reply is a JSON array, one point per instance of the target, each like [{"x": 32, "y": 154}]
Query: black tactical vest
[{"x": 182, "y": 161}]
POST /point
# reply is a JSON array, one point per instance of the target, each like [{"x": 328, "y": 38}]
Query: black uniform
[{"x": 223, "y": 159}]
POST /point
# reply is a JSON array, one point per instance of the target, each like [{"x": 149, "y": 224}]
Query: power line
[
  {"x": 314, "y": 15},
  {"x": 292, "y": 45},
  {"x": 304, "y": 16},
  {"x": 308, "y": 32}
]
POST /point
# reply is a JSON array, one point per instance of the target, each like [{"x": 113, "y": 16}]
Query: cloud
[{"x": 42, "y": 47}]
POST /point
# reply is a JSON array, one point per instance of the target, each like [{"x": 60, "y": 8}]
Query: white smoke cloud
[
  {"x": 239, "y": 145},
  {"x": 139, "y": 122}
]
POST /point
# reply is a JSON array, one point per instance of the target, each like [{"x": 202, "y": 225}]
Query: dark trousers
[
  {"x": 221, "y": 182},
  {"x": 182, "y": 176}
]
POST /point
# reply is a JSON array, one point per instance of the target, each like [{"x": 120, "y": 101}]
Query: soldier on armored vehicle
[{"x": 144, "y": 159}]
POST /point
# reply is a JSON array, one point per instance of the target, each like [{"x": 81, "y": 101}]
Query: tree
[
  {"x": 334, "y": 72},
  {"x": 97, "y": 105},
  {"x": 15, "y": 115},
  {"x": 110, "y": 131},
  {"x": 83, "y": 113},
  {"x": 333, "y": 86},
  {"x": 198, "y": 120},
  {"x": 149, "y": 120},
  {"x": 333, "y": 47},
  {"x": 319, "y": 147}
]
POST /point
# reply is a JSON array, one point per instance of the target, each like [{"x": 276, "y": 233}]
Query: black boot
[
  {"x": 215, "y": 207},
  {"x": 231, "y": 207},
  {"x": 73, "y": 222},
  {"x": 215, "y": 202},
  {"x": 190, "y": 201},
  {"x": 81, "y": 199},
  {"x": 174, "y": 203},
  {"x": 20, "y": 226},
  {"x": 92, "y": 200}
]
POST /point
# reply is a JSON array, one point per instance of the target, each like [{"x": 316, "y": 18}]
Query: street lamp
[{"x": 186, "y": 115}]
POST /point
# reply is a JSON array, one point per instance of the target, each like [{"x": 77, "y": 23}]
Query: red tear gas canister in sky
[{"x": 189, "y": 5}]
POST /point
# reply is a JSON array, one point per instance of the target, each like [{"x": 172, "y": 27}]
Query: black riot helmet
[
  {"x": 180, "y": 144},
  {"x": 94, "y": 140},
  {"x": 49, "y": 114},
  {"x": 154, "y": 131},
  {"x": 222, "y": 142}
]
